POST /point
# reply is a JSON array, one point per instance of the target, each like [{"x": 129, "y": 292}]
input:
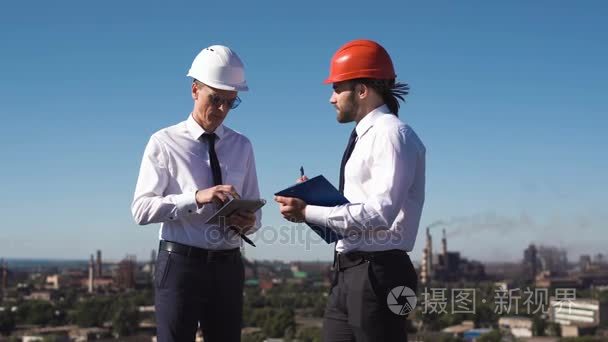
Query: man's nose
[{"x": 333, "y": 99}]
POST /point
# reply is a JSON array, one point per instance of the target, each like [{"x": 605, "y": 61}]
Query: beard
[{"x": 348, "y": 112}]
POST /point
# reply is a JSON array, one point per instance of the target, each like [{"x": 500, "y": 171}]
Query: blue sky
[{"x": 507, "y": 97}]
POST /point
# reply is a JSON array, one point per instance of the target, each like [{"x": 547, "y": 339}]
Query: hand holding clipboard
[{"x": 317, "y": 191}]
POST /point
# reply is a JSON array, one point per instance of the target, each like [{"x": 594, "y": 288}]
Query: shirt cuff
[
  {"x": 317, "y": 215},
  {"x": 185, "y": 204}
]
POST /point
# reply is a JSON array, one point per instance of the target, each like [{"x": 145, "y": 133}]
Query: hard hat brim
[
  {"x": 217, "y": 85},
  {"x": 240, "y": 87}
]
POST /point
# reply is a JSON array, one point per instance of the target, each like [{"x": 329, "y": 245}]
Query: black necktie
[
  {"x": 217, "y": 174},
  {"x": 349, "y": 150},
  {"x": 215, "y": 164}
]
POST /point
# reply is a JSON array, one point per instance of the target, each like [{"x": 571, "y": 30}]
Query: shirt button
[{"x": 171, "y": 217}]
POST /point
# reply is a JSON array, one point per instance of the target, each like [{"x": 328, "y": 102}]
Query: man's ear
[
  {"x": 363, "y": 90},
  {"x": 195, "y": 91}
]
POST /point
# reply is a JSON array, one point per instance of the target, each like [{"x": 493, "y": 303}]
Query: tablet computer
[{"x": 235, "y": 205}]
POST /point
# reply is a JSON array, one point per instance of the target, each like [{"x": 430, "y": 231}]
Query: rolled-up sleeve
[{"x": 150, "y": 205}]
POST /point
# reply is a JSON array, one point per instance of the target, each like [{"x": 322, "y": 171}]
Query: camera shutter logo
[{"x": 401, "y": 300}]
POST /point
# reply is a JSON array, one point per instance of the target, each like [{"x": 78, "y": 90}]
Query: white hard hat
[{"x": 219, "y": 67}]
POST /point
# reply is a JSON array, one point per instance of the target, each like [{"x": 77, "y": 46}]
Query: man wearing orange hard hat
[{"x": 382, "y": 175}]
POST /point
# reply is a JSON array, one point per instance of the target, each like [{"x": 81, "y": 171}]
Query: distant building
[
  {"x": 3, "y": 277},
  {"x": 92, "y": 276},
  {"x": 99, "y": 265},
  {"x": 547, "y": 279},
  {"x": 250, "y": 269},
  {"x": 518, "y": 326},
  {"x": 89, "y": 334},
  {"x": 55, "y": 282},
  {"x": 265, "y": 285},
  {"x": 447, "y": 266},
  {"x": 599, "y": 259},
  {"x": 459, "y": 329},
  {"x": 312, "y": 268},
  {"x": 584, "y": 262},
  {"x": 596, "y": 279},
  {"x": 474, "y": 334},
  {"x": 553, "y": 259},
  {"x": 99, "y": 284},
  {"x": 125, "y": 277},
  {"x": 153, "y": 263},
  {"x": 59, "y": 333},
  {"x": 45, "y": 296},
  {"x": 531, "y": 264},
  {"x": 577, "y": 316}
]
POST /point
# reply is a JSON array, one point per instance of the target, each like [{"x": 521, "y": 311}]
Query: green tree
[
  {"x": 144, "y": 297},
  {"x": 125, "y": 320},
  {"x": 257, "y": 336},
  {"x": 274, "y": 322},
  {"x": 319, "y": 307},
  {"x": 539, "y": 326},
  {"x": 554, "y": 329},
  {"x": 7, "y": 323},
  {"x": 309, "y": 334},
  {"x": 279, "y": 321},
  {"x": 35, "y": 312},
  {"x": 493, "y": 336},
  {"x": 92, "y": 312},
  {"x": 449, "y": 338}
]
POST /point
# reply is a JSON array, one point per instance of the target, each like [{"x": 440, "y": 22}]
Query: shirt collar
[
  {"x": 368, "y": 120},
  {"x": 196, "y": 130}
]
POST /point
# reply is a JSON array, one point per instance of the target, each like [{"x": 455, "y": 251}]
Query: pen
[{"x": 245, "y": 238}]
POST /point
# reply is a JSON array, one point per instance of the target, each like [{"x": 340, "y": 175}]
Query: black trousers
[
  {"x": 198, "y": 290},
  {"x": 357, "y": 308}
]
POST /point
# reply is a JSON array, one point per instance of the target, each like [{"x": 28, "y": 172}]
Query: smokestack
[
  {"x": 424, "y": 269},
  {"x": 98, "y": 269},
  {"x": 91, "y": 266},
  {"x": 444, "y": 246},
  {"x": 429, "y": 247},
  {"x": 153, "y": 263},
  {"x": 4, "y": 266}
]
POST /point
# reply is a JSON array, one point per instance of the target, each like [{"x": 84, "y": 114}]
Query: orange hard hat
[{"x": 360, "y": 59}]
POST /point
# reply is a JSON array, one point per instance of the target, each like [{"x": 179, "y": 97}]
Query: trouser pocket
[{"x": 163, "y": 264}]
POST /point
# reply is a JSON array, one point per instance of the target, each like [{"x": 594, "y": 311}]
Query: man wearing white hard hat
[{"x": 187, "y": 169}]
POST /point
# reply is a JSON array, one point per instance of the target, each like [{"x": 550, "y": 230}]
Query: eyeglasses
[{"x": 217, "y": 101}]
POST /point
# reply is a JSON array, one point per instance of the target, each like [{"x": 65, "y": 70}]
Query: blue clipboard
[{"x": 317, "y": 191}]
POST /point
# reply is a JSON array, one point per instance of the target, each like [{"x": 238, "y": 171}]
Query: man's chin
[
  {"x": 215, "y": 122},
  {"x": 343, "y": 119}
]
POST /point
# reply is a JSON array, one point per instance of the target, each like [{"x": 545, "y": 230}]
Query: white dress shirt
[
  {"x": 384, "y": 183},
  {"x": 174, "y": 166}
]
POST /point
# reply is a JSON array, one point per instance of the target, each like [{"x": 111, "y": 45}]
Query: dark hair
[{"x": 390, "y": 91}]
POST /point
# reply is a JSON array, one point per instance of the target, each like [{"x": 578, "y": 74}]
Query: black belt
[
  {"x": 351, "y": 259},
  {"x": 200, "y": 253}
]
